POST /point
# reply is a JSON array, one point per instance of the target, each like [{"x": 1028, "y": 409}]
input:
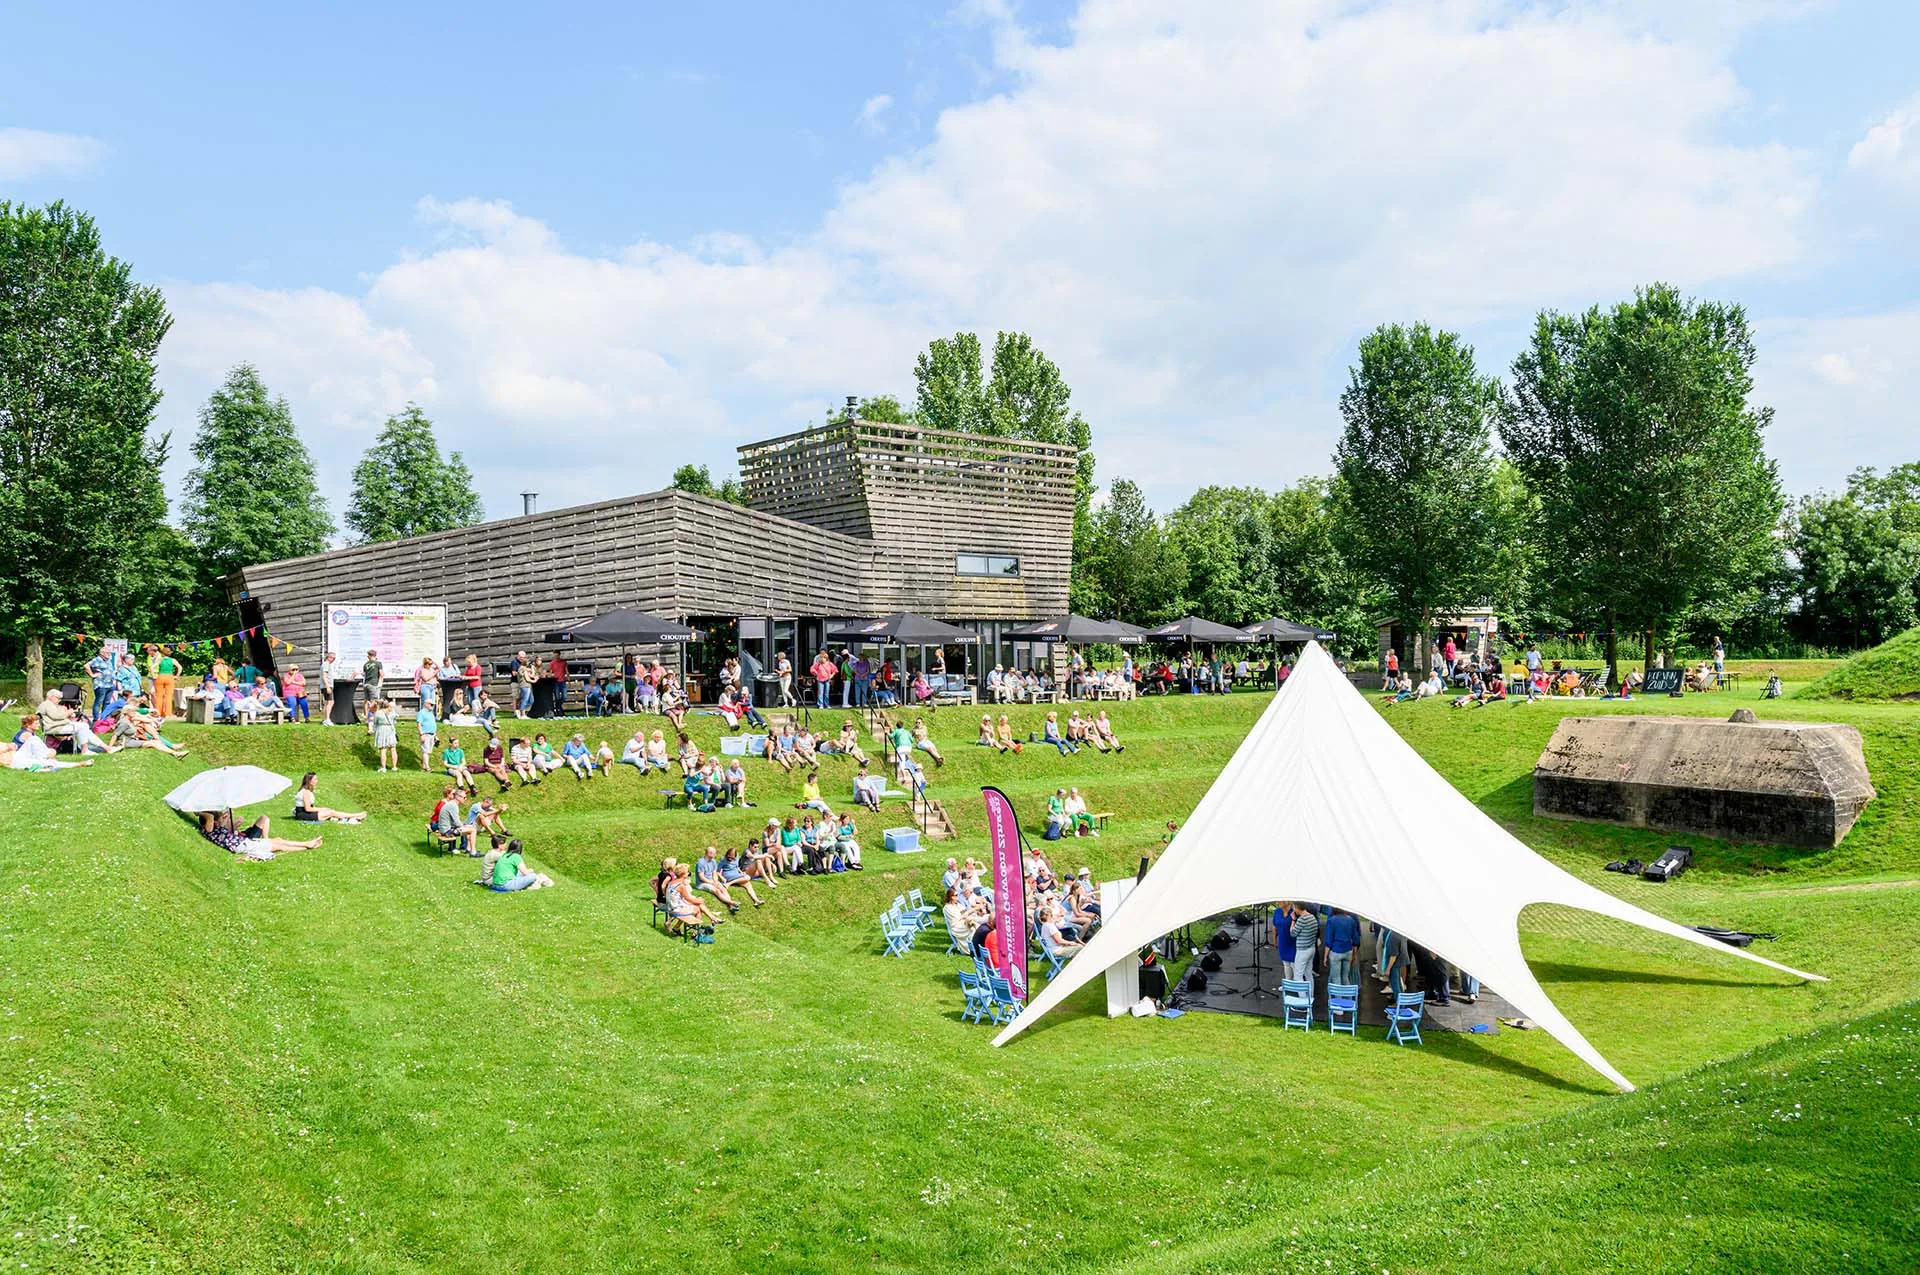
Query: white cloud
[
  {"x": 1891, "y": 148},
  {"x": 27, "y": 154},
  {"x": 873, "y": 113},
  {"x": 1844, "y": 390},
  {"x": 1194, "y": 211}
]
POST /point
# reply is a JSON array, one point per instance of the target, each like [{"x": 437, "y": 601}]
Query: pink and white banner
[{"x": 1009, "y": 889}]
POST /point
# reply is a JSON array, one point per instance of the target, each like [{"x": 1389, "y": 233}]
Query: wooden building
[{"x": 843, "y": 522}]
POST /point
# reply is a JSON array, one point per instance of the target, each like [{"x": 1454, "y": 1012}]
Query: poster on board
[{"x": 403, "y": 634}]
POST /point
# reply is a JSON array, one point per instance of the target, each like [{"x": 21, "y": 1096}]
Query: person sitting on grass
[
  {"x": 673, "y": 703},
  {"x": 1398, "y": 688},
  {"x": 27, "y": 751},
  {"x": 306, "y": 807},
  {"x": 810, "y": 798},
  {"x": 657, "y": 758},
  {"x": 634, "y": 752},
  {"x": 847, "y": 843},
  {"x": 603, "y": 758},
  {"x": 255, "y": 843},
  {"x": 453, "y": 759},
  {"x": 1050, "y": 734},
  {"x": 521, "y": 757},
  {"x": 779, "y": 747},
  {"x": 689, "y": 755},
  {"x": 429, "y": 728},
  {"x": 1075, "y": 728},
  {"x": 706, "y": 875},
  {"x": 791, "y": 854},
  {"x": 449, "y": 829},
  {"x": 759, "y": 862},
  {"x": 1103, "y": 731},
  {"x": 924, "y": 744},
  {"x": 486, "y": 713},
  {"x": 485, "y": 816},
  {"x": 1475, "y": 691},
  {"x": 545, "y": 759},
  {"x": 511, "y": 873},
  {"x": 806, "y": 748},
  {"x": 867, "y": 789},
  {"x": 576, "y": 757},
  {"x": 1494, "y": 688},
  {"x": 734, "y": 874},
  {"x": 987, "y": 738},
  {"x": 138, "y": 726},
  {"x": 1003, "y": 736}
]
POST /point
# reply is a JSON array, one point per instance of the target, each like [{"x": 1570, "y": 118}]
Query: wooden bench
[
  {"x": 1100, "y": 818},
  {"x": 673, "y": 795},
  {"x": 279, "y": 716}
]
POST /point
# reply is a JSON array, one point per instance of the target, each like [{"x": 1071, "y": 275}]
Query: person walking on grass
[
  {"x": 386, "y": 738},
  {"x": 372, "y": 680}
]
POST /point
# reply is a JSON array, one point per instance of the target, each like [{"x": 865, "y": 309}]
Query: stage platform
[{"x": 1228, "y": 991}]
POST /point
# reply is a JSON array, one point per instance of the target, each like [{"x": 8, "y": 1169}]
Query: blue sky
[{"x": 653, "y": 237}]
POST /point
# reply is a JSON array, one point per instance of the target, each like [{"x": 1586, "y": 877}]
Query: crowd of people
[
  {"x": 1062, "y": 912},
  {"x": 1313, "y": 941},
  {"x": 802, "y": 845}
]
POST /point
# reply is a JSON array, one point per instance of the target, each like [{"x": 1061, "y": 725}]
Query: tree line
[{"x": 1616, "y": 483}]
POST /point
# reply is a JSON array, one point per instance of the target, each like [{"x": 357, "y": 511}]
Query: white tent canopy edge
[{"x": 1324, "y": 802}]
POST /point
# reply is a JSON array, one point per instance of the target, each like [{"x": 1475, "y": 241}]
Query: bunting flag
[{"x": 199, "y": 644}]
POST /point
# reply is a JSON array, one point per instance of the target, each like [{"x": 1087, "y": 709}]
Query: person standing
[
  {"x": 1342, "y": 939},
  {"x": 373, "y": 676},
  {"x": 329, "y": 670},
  {"x": 783, "y": 669},
  {"x": 525, "y": 674},
  {"x": 1433, "y": 975},
  {"x": 846, "y": 677},
  {"x": 1283, "y": 945},
  {"x": 166, "y": 672},
  {"x": 1533, "y": 659},
  {"x": 100, "y": 673},
  {"x": 557, "y": 670},
  {"x": 1719, "y": 659},
  {"x": 1306, "y": 943},
  {"x": 823, "y": 670}
]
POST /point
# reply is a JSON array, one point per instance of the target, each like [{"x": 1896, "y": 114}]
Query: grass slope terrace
[{"x": 352, "y": 1060}]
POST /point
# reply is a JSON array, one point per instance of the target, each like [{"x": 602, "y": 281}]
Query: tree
[
  {"x": 1224, "y": 538},
  {"x": 1632, "y": 427},
  {"x": 1313, "y": 582},
  {"x": 1855, "y": 566},
  {"x": 402, "y": 487},
  {"x": 1128, "y": 569},
  {"x": 80, "y": 492},
  {"x": 251, "y": 496},
  {"x": 949, "y": 389},
  {"x": 1416, "y": 480},
  {"x": 698, "y": 480}
]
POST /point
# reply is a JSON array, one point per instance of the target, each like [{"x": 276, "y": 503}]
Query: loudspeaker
[{"x": 1153, "y": 982}]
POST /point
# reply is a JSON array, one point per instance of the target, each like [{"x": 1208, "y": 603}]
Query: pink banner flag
[{"x": 1009, "y": 889}]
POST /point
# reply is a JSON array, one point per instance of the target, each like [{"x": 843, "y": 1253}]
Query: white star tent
[{"x": 1325, "y": 803}]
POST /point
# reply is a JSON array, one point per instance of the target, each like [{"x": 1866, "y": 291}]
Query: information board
[
  {"x": 403, "y": 634},
  {"x": 1664, "y": 681}
]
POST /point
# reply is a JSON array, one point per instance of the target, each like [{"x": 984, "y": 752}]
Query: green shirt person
[
  {"x": 167, "y": 666},
  {"x": 453, "y": 756},
  {"x": 507, "y": 867},
  {"x": 246, "y": 673},
  {"x": 902, "y": 740}
]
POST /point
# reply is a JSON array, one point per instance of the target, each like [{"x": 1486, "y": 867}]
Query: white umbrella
[{"x": 226, "y": 788}]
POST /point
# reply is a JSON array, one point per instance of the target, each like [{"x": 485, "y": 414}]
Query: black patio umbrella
[
  {"x": 1282, "y": 630},
  {"x": 903, "y": 628},
  {"x": 620, "y": 627},
  {"x": 1194, "y": 629},
  {"x": 1076, "y": 629}
]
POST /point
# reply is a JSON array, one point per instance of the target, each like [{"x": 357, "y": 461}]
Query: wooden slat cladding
[
  {"x": 856, "y": 519},
  {"x": 505, "y": 583},
  {"x": 926, "y": 496}
]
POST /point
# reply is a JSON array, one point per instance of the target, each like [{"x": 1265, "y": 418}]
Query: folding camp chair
[
  {"x": 917, "y": 905},
  {"x": 1296, "y": 1004},
  {"x": 914, "y": 917},
  {"x": 1343, "y": 1007},
  {"x": 1004, "y": 1008},
  {"x": 1403, "y": 1017},
  {"x": 979, "y": 998},
  {"x": 1055, "y": 961},
  {"x": 899, "y": 937}
]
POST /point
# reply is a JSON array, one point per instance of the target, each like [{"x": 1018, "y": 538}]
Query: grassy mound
[
  {"x": 1890, "y": 671},
  {"x": 351, "y": 1059}
]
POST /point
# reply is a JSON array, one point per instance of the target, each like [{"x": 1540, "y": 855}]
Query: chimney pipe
[
  {"x": 853, "y": 407},
  {"x": 528, "y": 499}
]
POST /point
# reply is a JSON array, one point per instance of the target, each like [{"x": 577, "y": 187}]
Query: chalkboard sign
[{"x": 1664, "y": 681}]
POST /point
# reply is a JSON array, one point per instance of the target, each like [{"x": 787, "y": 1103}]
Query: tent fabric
[
  {"x": 1325, "y": 803},
  {"x": 621, "y": 627},
  {"x": 903, "y": 628},
  {"x": 1193, "y": 628},
  {"x": 1279, "y": 629},
  {"x": 1071, "y": 628}
]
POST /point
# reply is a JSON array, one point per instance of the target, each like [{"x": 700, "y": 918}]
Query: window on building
[{"x": 986, "y": 564}]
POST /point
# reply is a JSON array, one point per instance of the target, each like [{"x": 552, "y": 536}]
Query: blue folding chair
[
  {"x": 1403, "y": 1017},
  {"x": 1055, "y": 961},
  {"x": 918, "y": 909},
  {"x": 899, "y": 937},
  {"x": 979, "y": 998},
  {"x": 1004, "y": 1007},
  {"x": 1343, "y": 1007},
  {"x": 1296, "y": 1004}
]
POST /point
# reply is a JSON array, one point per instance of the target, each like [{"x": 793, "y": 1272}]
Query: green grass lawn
[
  {"x": 1890, "y": 671},
  {"x": 352, "y": 1060}
]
